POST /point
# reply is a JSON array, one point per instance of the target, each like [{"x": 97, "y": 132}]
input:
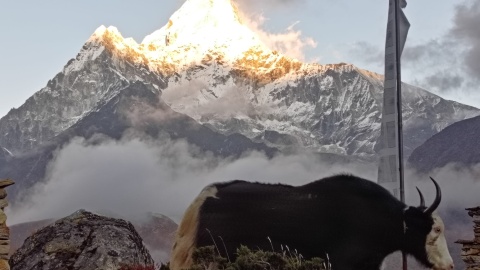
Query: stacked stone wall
[
  {"x": 471, "y": 248},
  {"x": 4, "y": 231}
]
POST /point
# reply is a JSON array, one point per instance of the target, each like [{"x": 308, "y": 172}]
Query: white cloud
[
  {"x": 446, "y": 65},
  {"x": 291, "y": 42},
  {"x": 131, "y": 177}
]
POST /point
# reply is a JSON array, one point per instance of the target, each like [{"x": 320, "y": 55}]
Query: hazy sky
[{"x": 442, "y": 52}]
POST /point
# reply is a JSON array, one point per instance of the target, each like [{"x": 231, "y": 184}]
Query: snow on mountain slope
[{"x": 324, "y": 108}]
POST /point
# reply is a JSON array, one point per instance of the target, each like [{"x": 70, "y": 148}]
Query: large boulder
[
  {"x": 156, "y": 230},
  {"x": 82, "y": 241}
]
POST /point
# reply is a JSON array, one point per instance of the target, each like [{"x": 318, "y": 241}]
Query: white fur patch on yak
[
  {"x": 184, "y": 246},
  {"x": 436, "y": 246}
]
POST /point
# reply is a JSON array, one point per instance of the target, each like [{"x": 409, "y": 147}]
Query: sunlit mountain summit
[
  {"x": 207, "y": 35},
  {"x": 200, "y": 27},
  {"x": 197, "y": 29}
]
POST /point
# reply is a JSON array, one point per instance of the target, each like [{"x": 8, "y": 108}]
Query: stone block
[
  {"x": 4, "y": 232},
  {"x": 3, "y": 217},
  {"x": 470, "y": 251},
  {"x": 5, "y": 249},
  {"x": 5, "y": 183},
  {"x": 3, "y": 203}
]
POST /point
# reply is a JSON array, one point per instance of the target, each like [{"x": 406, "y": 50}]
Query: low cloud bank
[{"x": 134, "y": 176}]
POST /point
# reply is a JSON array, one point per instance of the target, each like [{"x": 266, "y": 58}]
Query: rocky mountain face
[
  {"x": 137, "y": 110},
  {"x": 458, "y": 143},
  {"x": 82, "y": 241},
  {"x": 96, "y": 75},
  {"x": 330, "y": 109}
]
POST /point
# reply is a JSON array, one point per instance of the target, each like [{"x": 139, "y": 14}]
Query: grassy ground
[{"x": 206, "y": 258}]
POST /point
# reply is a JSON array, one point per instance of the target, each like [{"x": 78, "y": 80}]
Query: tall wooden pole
[
  {"x": 399, "y": 100},
  {"x": 399, "y": 110}
]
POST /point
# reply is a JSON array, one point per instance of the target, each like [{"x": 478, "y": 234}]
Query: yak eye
[{"x": 437, "y": 230}]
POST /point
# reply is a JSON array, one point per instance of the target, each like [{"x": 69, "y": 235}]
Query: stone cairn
[
  {"x": 471, "y": 248},
  {"x": 4, "y": 231}
]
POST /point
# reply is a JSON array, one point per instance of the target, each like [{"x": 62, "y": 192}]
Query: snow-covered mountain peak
[
  {"x": 199, "y": 27},
  {"x": 112, "y": 37},
  {"x": 102, "y": 30},
  {"x": 102, "y": 33},
  {"x": 199, "y": 32}
]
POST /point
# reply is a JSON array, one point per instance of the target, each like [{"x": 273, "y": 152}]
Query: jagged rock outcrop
[
  {"x": 4, "y": 231},
  {"x": 82, "y": 241},
  {"x": 471, "y": 248}
]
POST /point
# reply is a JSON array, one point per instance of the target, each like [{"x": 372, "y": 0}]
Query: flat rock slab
[{"x": 6, "y": 182}]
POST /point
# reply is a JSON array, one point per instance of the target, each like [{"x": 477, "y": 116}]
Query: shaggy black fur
[{"x": 357, "y": 222}]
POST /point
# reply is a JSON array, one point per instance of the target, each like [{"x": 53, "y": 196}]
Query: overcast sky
[{"x": 442, "y": 52}]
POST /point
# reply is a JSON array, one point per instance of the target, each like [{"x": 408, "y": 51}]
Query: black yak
[{"x": 355, "y": 221}]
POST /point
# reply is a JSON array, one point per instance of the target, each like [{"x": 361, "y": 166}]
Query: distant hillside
[{"x": 457, "y": 143}]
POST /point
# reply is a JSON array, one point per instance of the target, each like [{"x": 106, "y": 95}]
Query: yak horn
[
  {"x": 437, "y": 200},
  {"x": 422, "y": 199}
]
